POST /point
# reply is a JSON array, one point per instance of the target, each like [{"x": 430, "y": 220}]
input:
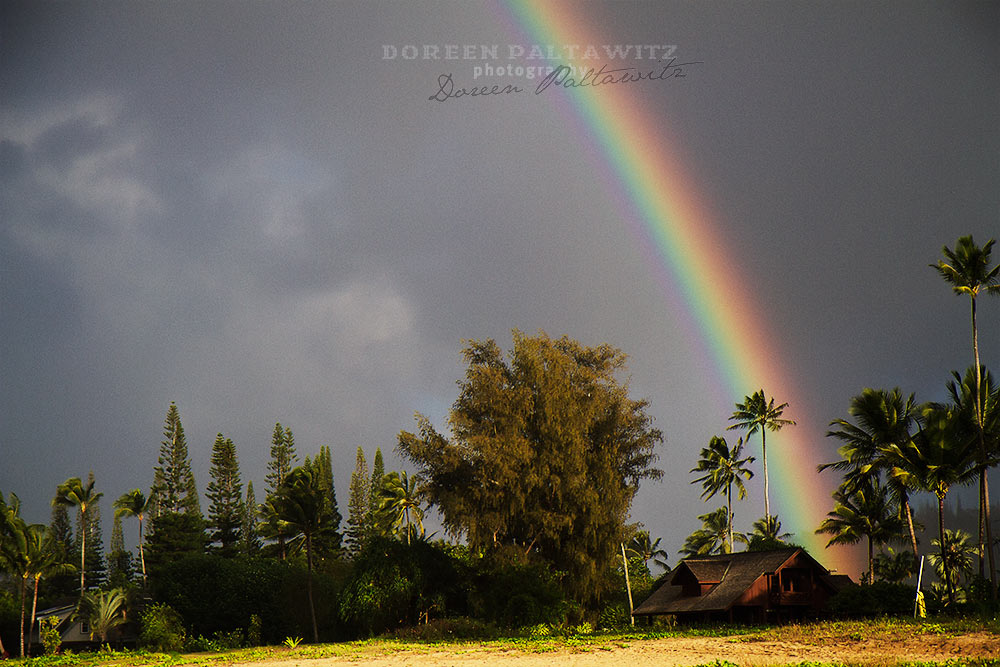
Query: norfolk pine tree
[
  {"x": 358, "y": 504},
  {"x": 225, "y": 495},
  {"x": 177, "y": 526}
]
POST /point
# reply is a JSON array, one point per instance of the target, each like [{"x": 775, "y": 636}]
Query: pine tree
[
  {"x": 119, "y": 560},
  {"x": 249, "y": 538},
  {"x": 357, "y": 505},
  {"x": 327, "y": 541},
  {"x": 65, "y": 584},
  {"x": 378, "y": 472},
  {"x": 225, "y": 513},
  {"x": 177, "y": 527},
  {"x": 283, "y": 457},
  {"x": 173, "y": 481}
]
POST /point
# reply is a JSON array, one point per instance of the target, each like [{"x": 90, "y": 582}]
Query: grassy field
[{"x": 881, "y": 642}]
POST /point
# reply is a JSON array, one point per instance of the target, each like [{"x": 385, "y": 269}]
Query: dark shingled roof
[{"x": 735, "y": 573}]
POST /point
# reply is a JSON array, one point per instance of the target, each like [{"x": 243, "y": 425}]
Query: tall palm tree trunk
[
  {"x": 83, "y": 549},
  {"x": 985, "y": 529},
  {"x": 729, "y": 518},
  {"x": 871, "y": 561},
  {"x": 142, "y": 557},
  {"x": 24, "y": 586},
  {"x": 909, "y": 525},
  {"x": 763, "y": 452},
  {"x": 34, "y": 613}
]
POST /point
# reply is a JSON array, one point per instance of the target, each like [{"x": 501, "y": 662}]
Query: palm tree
[
  {"x": 399, "y": 502},
  {"x": 968, "y": 271},
  {"x": 302, "y": 509},
  {"x": 73, "y": 493},
  {"x": 10, "y": 527},
  {"x": 43, "y": 559},
  {"x": 766, "y": 534},
  {"x": 646, "y": 549},
  {"x": 938, "y": 458},
  {"x": 722, "y": 468},
  {"x": 862, "y": 512},
  {"x": 955, "y": 558},
  {"x": 104, "y": 610},
  {"x": 135, "y": 503},
  {"x": 712, "y": 537},
  {"x": 884, "y": 419},
  {"x": 758, "y": 413}
]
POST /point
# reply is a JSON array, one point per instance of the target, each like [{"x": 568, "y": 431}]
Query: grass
[{"x": 885, "y": 630}]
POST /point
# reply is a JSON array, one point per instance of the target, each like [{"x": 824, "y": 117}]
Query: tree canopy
[{"x": 546, "y": 453}]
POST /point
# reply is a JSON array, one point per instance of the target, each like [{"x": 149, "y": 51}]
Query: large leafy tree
[
  {"x": 862, "y": 511},
  {"x": 757, "y": 412},
  {"x": 225, "y": 496},
  {"x": 134, "y": 503},
  {"x": 546, "y": 452},
  {"x": 74, "y": 493},
  {"x": 721, "y": 468},
  {"x": 967, "y": 269},
  {"x": 882, "y": 430}
]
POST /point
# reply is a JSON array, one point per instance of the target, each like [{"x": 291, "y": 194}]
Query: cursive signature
[
  {"x": 447, "y": 90},
  {"x": 560, "y": 76}
]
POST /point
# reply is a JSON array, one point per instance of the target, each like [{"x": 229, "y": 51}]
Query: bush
[
  {"x": 395, "y": 584},
  {"x": 216, "y": 595},
  {"x": 878, "y": 599},
  {"x": 48, "y": 628},
  {"x": 162, "y": 629},
  {"x": 519, "y": 595}
]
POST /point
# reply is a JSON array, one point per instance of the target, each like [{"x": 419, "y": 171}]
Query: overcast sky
[{"x": 249, "y": 209}]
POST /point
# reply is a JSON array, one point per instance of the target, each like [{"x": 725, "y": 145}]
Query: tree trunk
[
  {"x": 729, "y": 517},
  {"x": 985, "y": 530},
  {"x": 763, "y": 451},
  {"x": 871, "y": 561},
  {"x": 34, "y": 611},
  {"x": 944, "y": 559},
  {"x": 309, "y": 587},
  {"x": 24, "y": 585},
  {"x": 83, "y": 548},
  {"x": 142, "y": 557},
  {"x": 909, "y": 525}
]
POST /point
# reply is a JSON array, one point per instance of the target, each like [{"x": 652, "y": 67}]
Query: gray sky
[{"x": 248, "y": 209}]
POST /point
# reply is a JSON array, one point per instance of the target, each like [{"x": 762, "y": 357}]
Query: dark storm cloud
[{"x": 244, "y": 208}]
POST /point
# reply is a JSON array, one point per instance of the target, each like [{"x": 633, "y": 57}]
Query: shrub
[
  {"x": 162, "y": 629},
  {"x": 878, "y": 599},
  {"x": 254, "y": 631},
  {"x": 48, "y": 628}
]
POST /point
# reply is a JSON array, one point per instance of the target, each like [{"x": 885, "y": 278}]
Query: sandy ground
[{"x": 679, "y": 652}]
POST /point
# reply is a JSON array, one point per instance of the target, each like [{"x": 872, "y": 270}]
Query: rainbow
[{"x": 687, "y": 251}]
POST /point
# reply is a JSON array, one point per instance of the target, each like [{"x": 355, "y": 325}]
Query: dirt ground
[{"x": 678, "y": 652}]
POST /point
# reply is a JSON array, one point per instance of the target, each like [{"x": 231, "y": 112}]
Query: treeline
[{"x": 534, "y": 485}]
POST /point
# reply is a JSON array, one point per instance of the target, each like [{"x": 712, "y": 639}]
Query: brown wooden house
[{"x": 758, "y": 586}]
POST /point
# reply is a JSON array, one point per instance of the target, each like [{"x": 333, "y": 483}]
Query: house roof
[{"x": 732, "y": 575}]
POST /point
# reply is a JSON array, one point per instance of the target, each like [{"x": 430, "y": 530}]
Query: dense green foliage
[
  {"x": 218, "y": 595},
  {"x": 547, "y": 452}
]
